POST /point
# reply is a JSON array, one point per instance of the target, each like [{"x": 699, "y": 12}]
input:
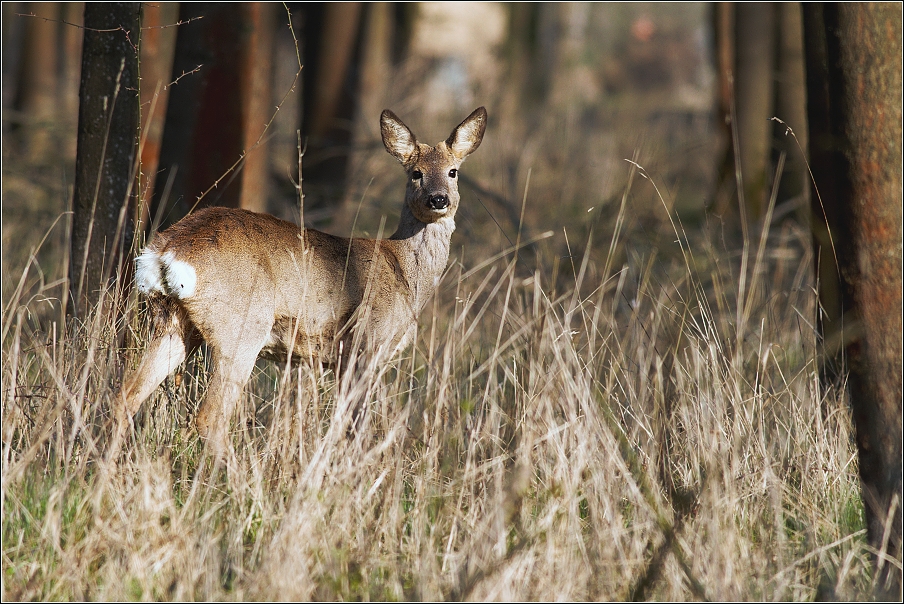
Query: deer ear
[
  {"x": 397, "y": 138},
  {"x": 466, "y": 137}
]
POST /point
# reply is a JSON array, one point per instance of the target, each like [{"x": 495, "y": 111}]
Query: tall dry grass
[
  {"x": 640, "y": 418},
  {"x": 622, "y": 410}
]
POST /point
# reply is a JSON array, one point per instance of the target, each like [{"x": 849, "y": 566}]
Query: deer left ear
[
  {"x": 397, "y": 137},
  {"x": 466, "y": 137}
]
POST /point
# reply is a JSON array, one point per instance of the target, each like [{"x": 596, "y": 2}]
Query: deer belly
[{"x": 306, "y": 342}]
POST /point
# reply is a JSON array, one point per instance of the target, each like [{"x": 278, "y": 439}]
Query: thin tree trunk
[
  {"x": 791, "y": 106},
  {"x": 257, "y": 108},
  {"x": 71, "y": 34},
  {"x": 38, "y": 76},
  {"x": 157, "y": 47},
  {"x": 337, "y": 45},
  {"x": 830, "y": 232},
  {"x": 107, "y": 147},
  {"x": 375, "y": 69},
  {"x": 331, "y": 34},
  {"x": 755, "y": 26},
  {"x": 726, "y": 185}
]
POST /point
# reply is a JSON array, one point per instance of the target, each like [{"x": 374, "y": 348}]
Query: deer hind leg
[{"x": 172, "y": 331}]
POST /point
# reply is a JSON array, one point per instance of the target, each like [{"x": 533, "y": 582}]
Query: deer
[{"x": 251, "y": 285}]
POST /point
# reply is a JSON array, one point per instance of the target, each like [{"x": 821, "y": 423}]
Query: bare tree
[{"x": 107, "y": 147}]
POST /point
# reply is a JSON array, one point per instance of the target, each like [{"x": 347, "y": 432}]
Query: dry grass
[
  {"x": 623, "y": 410},
  {"x": 643, "y": 419}
]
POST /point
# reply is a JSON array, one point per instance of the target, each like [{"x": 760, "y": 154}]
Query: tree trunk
[
  {"x": 107, "y": 147},
  {"x": 256, "y": 103},
  {"x": 38, "y": 98},
  {"x": 330, "y": 41},
  {"x": 791, "y": 107},
  {"x": 831, "y": 234},
  {"x": 755, "y": 27},
  {"x": 337, "y": 45},
  {"x": 70, "y": 72},
  {"x": 202, "y": 136},
  {"x": 157, "y": 46},
  {"x": 373, "y": 84},
  {"x": 854, "y": 83},
  {"x": 723, "y": 21}
]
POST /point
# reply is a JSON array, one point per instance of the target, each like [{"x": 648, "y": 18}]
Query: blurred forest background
[{"x": 215, "y": 100}]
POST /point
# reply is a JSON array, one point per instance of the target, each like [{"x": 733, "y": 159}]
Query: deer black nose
[{"x": 438, "y": 202}]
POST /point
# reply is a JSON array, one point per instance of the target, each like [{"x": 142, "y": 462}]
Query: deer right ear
[
  {"x": 397, "y": 138},
  {"x": 466, "y": 137}
]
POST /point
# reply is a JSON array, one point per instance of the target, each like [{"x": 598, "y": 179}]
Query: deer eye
[
  {"x": 417, "y": 175},
  {"x": 453, "y": 173}
]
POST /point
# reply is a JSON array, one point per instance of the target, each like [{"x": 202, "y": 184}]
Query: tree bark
[
  {"x": 38, "y": 76},
  {"x": 854, "y": 83},
  {"x": 107, "y": 147},
  {"x": 791, "y": 107},
  {"x": 330, "y": 58},
  {"x": 156, "y": 55},
  {"x": 256, "y": 104},
  {"x": 202, "y": 136},
  {"x": 754, "y": 85}
]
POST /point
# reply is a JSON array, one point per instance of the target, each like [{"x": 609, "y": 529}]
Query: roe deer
[{"x": 252, "y": 285}]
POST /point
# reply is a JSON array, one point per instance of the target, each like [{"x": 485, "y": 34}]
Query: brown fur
[{"x": 266, "y": 287}]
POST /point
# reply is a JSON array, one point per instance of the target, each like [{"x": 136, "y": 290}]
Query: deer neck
[{"x": 426, "y": 248}]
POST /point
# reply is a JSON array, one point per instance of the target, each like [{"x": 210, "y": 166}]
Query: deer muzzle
[{"x": 438, "y": 201}]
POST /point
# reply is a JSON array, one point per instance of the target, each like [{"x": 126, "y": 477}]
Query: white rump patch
[
  {"x": 181, "y": 278},
  {"x": 148, "y": 272}
]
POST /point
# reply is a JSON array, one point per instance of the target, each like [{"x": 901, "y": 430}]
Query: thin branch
[
  {"x": 102, "y": 31},
  {"x": 184, "y": 73},
  {"x": 176, "y": 24}
]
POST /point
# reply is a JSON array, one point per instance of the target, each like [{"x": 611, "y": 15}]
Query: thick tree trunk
[
  {"x": 202, "y": 137},
  {"x": 869, "y": 41},
  {"x": 854, "y": 78},
  {"x": 107, "y": 147}
]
